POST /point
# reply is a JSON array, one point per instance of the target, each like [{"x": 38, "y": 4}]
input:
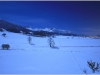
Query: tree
[
  {"x": 1, "y": 30},
  {"x": 94, "y": 66},
  {"x": 51, "y": 42},
  {"x": 29, "y": 39},
  {"x": 5, "y": 46},
  {"x": 4, "y": 34}
]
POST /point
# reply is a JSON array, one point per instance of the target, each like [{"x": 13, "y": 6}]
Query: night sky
[{"x": 78, "y": 17}]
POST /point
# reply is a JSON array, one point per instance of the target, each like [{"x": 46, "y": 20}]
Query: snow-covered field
[{"x": 39, "y": 58}]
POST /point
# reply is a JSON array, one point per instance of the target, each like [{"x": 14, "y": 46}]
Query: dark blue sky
[{"x": 78, "y": 17}]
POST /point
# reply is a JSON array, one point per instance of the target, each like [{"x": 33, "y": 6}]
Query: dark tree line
[
  {"x": 1, "y": 30},
  {"x": 42, "y": 33}
]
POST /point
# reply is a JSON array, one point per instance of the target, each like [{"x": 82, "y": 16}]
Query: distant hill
[
  {"x": 53, "y": 31},
  {"x": 44, "y": 32},
  {"x": 12, "y": 27}
]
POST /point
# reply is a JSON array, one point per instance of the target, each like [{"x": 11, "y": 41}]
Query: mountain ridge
[{"x": 17, "y": 28}]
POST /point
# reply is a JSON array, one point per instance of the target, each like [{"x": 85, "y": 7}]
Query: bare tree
[
  {"x": 51, "y": 42},
  {"x": 94, "y": 66},
  {"x": 29, "y": 39},
  {"x": 85, "y": 71}
]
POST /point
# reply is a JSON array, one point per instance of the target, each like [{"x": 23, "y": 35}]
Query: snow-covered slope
[
  {"x": 39, "y": 58},
  {"x": 39, "y": 29},
  {"x": 49, "y": 30}
]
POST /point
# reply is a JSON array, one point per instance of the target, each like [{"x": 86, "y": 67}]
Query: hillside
[
  {"x": 12, "y": 27},
  {"x": 70, "y": 57},
  {"x": 36, "y": 31}
]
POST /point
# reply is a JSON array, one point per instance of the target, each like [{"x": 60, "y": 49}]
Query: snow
[
  {"x": 30, "y": 28},
  {"x": 39, "y": 29},
  {"x": 49, "y": 30},
  {"x": 39, "y": 58}
]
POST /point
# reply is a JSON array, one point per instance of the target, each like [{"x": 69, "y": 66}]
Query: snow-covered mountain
[
  {"x": 49, "y": 30},
  {"x": 40, "y": 29},
  {"x": 17, "y": 28},
  {"x": 53, "y": 31}
]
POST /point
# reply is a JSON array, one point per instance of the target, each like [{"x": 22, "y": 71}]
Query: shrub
[
  {"x": 85, "y": 71},
  {"x": 5, "y": 46},
  {"x": 4, "y": 34},
  {"x": 93, "y": 65}
]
